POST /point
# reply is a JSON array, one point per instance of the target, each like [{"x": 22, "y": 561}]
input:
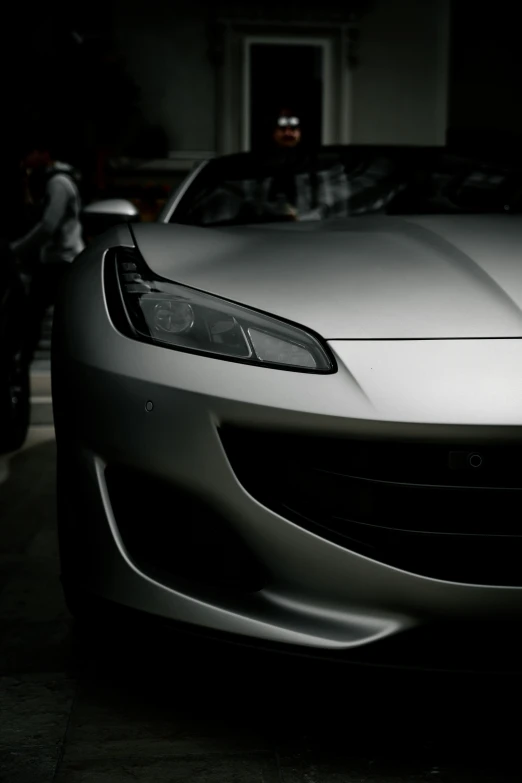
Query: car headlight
[{"x": 176, "y": 316}]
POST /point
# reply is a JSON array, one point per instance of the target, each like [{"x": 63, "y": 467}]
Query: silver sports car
[{"x": 290, "y": 411}]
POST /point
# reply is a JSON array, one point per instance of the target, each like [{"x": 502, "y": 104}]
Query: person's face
[{"x": 287, "y": 133}]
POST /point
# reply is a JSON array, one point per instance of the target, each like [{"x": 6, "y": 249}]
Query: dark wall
[
  {"x": 486, "y": 68},
  {"x": 61, "y": 79}
]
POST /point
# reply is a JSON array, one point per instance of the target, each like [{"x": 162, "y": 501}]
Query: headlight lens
[{"x": 183, "y": 318}]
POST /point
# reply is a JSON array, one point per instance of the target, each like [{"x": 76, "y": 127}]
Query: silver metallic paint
[
  {"x": 367, "y": 278},
  {"x": 319, "y": 595},
  {"x": 112, "y": 206}
]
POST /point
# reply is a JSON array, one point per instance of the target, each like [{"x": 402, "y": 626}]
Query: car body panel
[
  {"x": 358, "y": 278},
  {"x": 453, "y": 382}
]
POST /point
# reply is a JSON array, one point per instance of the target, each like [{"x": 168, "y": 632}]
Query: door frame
[
  {"x": 328, "y": 134},
  {"x": 231, "y": 78}
]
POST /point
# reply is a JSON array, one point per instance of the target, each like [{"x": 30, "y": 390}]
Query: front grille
[
  {"x": 416, "y": 506},
  {"x": 176, "y": 538}
]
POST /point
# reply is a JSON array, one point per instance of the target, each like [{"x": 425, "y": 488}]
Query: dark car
[{"x": 14, "y": 361}]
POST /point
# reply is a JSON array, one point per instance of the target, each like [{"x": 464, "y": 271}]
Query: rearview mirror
[{"x": 99, "y": 216}]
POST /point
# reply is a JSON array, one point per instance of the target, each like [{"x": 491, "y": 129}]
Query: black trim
[
  {"x": 114, "y": 295},
  {"x": 397, "y": 503}
]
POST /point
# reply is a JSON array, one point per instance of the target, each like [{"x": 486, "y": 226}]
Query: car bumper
[{"x": 156, "y": 415}]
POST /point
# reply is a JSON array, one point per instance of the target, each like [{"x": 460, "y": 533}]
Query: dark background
[
  {"x": 275, "y": 72},
  {"x": 62, "y": 73},
  {"x": 82, "y": 92}
]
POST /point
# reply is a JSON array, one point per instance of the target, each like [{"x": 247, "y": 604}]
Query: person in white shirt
[{"x": 56, "y": 239}]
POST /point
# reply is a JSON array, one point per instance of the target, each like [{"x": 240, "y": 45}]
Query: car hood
[{"x": 361, "y": 278}]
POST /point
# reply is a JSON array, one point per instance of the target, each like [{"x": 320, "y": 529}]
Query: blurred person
[
  {"x": 287, "y": 132},
  {"x": 304, "y": 190},
  {"x": 293, "y": 194},
  {"x": 56, "y": 238}
]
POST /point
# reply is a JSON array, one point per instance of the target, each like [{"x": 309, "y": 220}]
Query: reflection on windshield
[{"x": 337, "y": 190}]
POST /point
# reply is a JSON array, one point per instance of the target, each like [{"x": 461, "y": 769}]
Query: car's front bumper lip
[
  {"x": 280, "y": 613},
  {"x": 319, "y": 594}
]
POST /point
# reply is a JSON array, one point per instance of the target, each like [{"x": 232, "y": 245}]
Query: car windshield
[{"x": 248, "y": 188}]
